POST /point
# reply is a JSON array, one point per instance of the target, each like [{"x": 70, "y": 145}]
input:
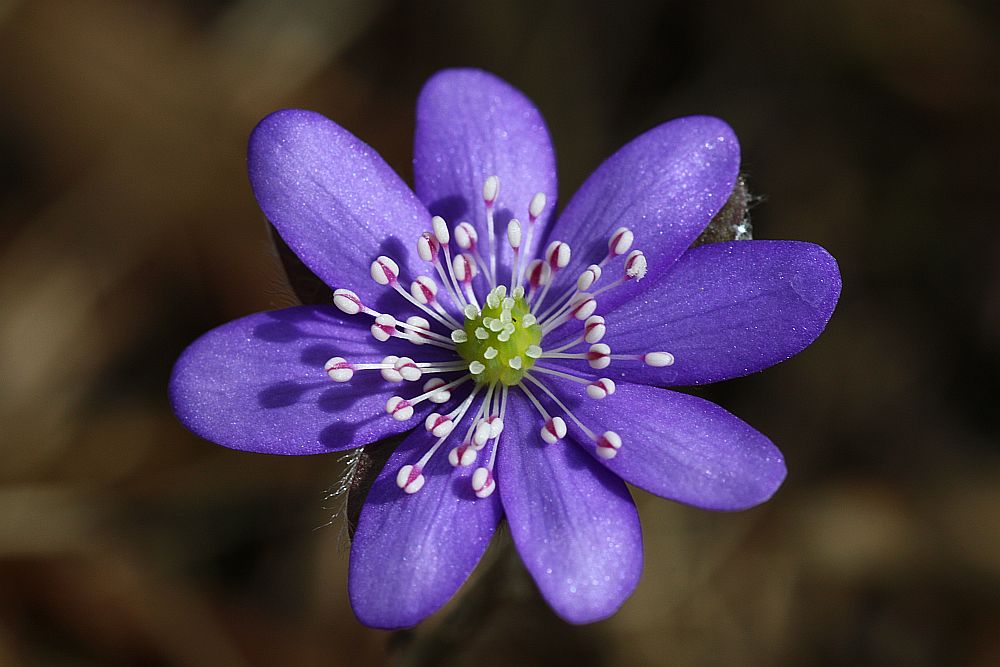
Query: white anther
[
  {"x": 338, "y": 369},
  {"x": 465, "y": 267},
  {"x": 599, "y": 356},
  {"x": 496, "y": 426},
  {"x": 476, "y": 367},
  {"x": 384, "y": 270},
  {"x": 439, "y": 425},
  {"x": 594, "y": 329},
  {"x": 424, "y": 289},
  {"x": 482, "y": 483},
  {"x": 347, "y": 301},
  {"x": 584, "y": 306},
  {"x": 536, "y": 206},
  {"x": 470, "y": 312},
  {"x": 515, "y": 363},
  {"x": 495, "y": 325},
  {"x": 410, "y": 479},
  {"x": 408, "y": 369},
  {"x": 558, "y": 255},
  {"x": 608, "y": 445},
  {"x": 418, "y": 337},
  {"x": 482, "y": 434},
  {"x": 427, "y": 247},
  {"x": 439, "y": 396},
  {"x": 440, "y": 228},
  {"x": 658, "y": 359},
  {"x": 517, "y": 292},
  {"x": 466, "y": 236},
  {"x": 539, "y": 273},
  {"x": 482, "y": 334},
  {"x": 491, "y": 188},
  {"x": 384, "y": 327},
  {"x": 464, "y": 455},
  {"x": 399, "y": 408},
  {"x": 554, "y": 430},
  {"x": 490, "y": 352},
  {"x": 635, "y": 266},
  {"x": 391, "y": 374},
  {"x": 459, "y": 336},
  {"x": 620, "y": 241},
  {"x": 514, "y": 234},
  {"x": 601, "y": 388},
  {"x": 588, "y": 277},
  {"x": 533, "y": 352}
]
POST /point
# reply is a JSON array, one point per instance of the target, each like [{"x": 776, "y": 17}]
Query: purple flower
[{"x": 468, "y": 308}]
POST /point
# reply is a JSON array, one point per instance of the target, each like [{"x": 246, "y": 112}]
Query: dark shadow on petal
[
  {"x": 341, "y": 397},
  {"x": 278, "y": 332},
  {"x": 453, "y": 209},
  {"x": 283, "y": 394}
]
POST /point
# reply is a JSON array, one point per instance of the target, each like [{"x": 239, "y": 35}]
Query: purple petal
[
  {"x": 257, "y": 384},
  {"x": 726, "y": 310},
  {"x": 470, "y": 126},
  {"x": 412, "y": 552},
  {"x": 333, "y": 200},
  {"x": 664, "y": 185},
  {"x": 680, "y": 447},
  {"x": 573, "y": 522}
]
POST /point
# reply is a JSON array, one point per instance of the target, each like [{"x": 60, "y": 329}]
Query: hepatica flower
[{"x": 526, "y": 351}]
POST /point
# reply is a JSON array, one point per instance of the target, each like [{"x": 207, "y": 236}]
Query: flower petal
[
  {"x": 664, "y": 185},
  {"x": 257, "y": 384},
  {"x": 681, "y": 447},
  {"x": 411, "y": 552},
  {"x": 472, "y": 125},
  {"x": 333, "y": 200},
  {"x": 726, "y": 310},
  {"x": 574, "y": 523}
]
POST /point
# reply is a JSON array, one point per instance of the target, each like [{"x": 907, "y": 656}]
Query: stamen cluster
[{"x": 498, "y": 341}]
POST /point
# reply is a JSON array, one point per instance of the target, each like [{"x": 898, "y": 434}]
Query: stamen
[
  {"x": 384, "y": 270},
  {"x": 514, "y": 239},
  {"x": 438, "y": 394},
  {"x": 491, "y": 189},
  {"x": 597, "y": 389},
  {"x": 607, "y": 445},
  {"x": 402, "y": 409},
  {"x": 590, "y": 276},
  {"x": 620, "y": 242},
  {"x": 347, "y": 301},
  {"x": 338, "y": 369}
]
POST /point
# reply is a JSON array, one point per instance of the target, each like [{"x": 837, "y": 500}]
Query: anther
[
  {"x": 399, "y": 408},
  {"x": 384, "y": 327},
  {"x": 620, "y": 241},
  {"x": 424, "y": 289},
  {"x": 470, "y": 312},
  {"x": 384, "y": 270},
  {"x": 533, "y": 352},
  {"x": 591, "y": 275},
  {"x": 539, "y": 273},
  {"x": 554, "y": 430},
  {"x": 417, "y": 322},
  {"x": 599, "y": 356},
  {"x": 608, "y": 445},
  {"x": 483, "y": 483},
  {"x": 389, "y": 373},
  {"x": 476, "y": 367},
  {"x": 338, "y": 369},
  {"x": 427, "y": 247},
  {"x": 635, "y": 266},
  {"x": 459, "y": 336},
  {"x": 465, "y": 267},
  {"x": 482, "y": 434},
  {"x": 466, "y": 236},
  {"x": 557, "y": 255},
  {"x": 410, "y": 479},
  {"x": 583, "y": 307},
  {"x": 601, "y": 388},
  {"x": 407, "y": 369},
  {"x": 658, "y": 359},
  {"x": 491, "y": 188},
  {"x": 439, "y": 396},
  {"x": 439, "y": 425},
  {"x": 440, "y": 228},
  {"x": 536, "y": 206},
  {"x": 347, "y": 301},
  {"x": 464, "y": 455},
  {"x": 514, "y": 234},
  {"x": 594, "y": 329}
]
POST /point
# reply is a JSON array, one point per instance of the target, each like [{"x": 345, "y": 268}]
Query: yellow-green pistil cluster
[{"x": 500, "y": 342}]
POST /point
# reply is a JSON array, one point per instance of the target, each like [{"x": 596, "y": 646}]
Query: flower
[{"x": 469, "y": 308}]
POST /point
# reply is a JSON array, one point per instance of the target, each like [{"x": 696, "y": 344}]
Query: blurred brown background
[{"x": 127, "y": 229}]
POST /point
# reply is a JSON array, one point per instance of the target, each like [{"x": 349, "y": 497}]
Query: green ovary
[{"x": 499, "y": 336}]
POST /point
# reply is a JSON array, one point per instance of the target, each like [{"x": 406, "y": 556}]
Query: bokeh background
[{"x": 127, "y": 228}]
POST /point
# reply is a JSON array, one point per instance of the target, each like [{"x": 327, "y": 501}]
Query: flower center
[{"x": 501, "y": 341}]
